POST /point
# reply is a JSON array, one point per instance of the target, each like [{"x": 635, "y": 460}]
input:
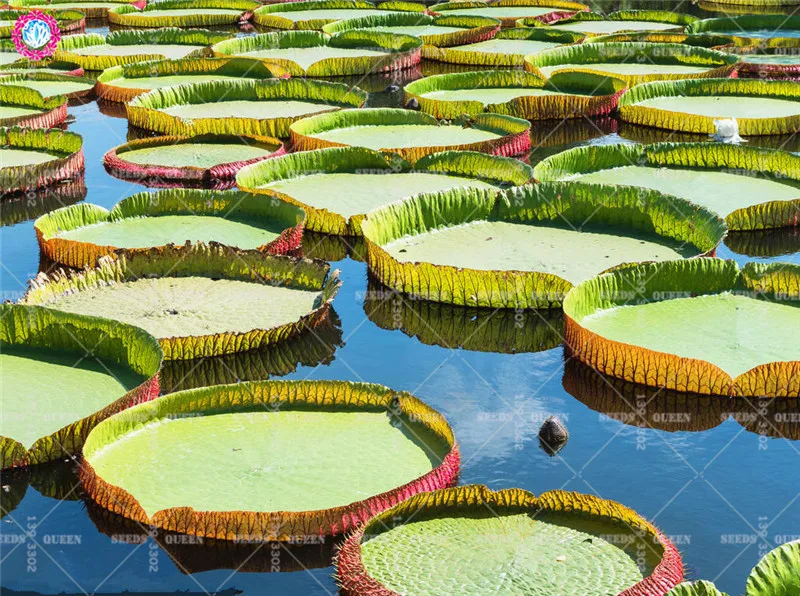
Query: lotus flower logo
[{"x": 36, "y": 35}]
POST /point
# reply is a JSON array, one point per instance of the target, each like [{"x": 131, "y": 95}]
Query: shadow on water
[
  {"x": 56, "y": 480},
  {"x": 195, "y": 554},
  {"x": 312, "y": 348},
  {"x": 641, "y": 406},
  {"x": 328, "y": 247},
  {"x": 482, "y": 330},
  {"x": 765, "y": 243},
  {"x": 24, "y": 206},
  {"x": 672, "y": 411}
]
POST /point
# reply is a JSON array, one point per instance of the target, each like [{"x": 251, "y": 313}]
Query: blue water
[{"x": 724, "y": 493}]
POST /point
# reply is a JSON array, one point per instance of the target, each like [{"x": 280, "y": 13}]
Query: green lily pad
[
  {"x": 79, "y": 235},
  {"x": 721, "y": 107},
  {"x": 634, "y": 62},
  {"x": 177, "y": 293},
  {"x": 30, "y": 375},
  {"x": 24, "y": 157},
  {"x": 569, "y": 254},
  {"x": 337, "y": 186},
  {"x": 261, "y": 483},
  {"x": 100, "y": 52},
  {"x": 74, "y": 371},
  {"x": 752, "y": 188},
  {"x": 170, "y": 51},
  {"x": 411, "y": 134},
  {"x": 558, "y": 544},
  {"x": 620, "y": 68},
  {"x": 51, "y": 85},
  {"x": 314, "y": 15},
  {"x": 184, "y": 13},
  {"x": 761, "y": 107},
  {"x": 699, "y": 326},
  {"x": 601, "y": 27},
  {"x": 364, "y": 192},
  {"x": 499, "y": 12},
  {"x": 201, "y": 156},
  {"x": 255, "y": 451},
  {"x": 311, "y": 53},
  {"x": 546, "y": 237},
  {"x": 244, "y": 107}
]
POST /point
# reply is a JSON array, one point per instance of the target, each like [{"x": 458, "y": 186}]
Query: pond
[{"x": 717, "y": 478}]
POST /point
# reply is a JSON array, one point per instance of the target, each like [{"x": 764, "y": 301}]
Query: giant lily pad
[
  {"x": 123, "y": 83},
  {"x": 69, "y": 21},
  {"x": 751, "y": 187},
  {"x": 476, "y": 329},
  {"x": 246, "y": 107},
  {"x": 529, "y": 244},
  {"x": 508, "y": 48},
  {"x": 558, "y": 544},
  {"x": 514, "y": 93},
  {"x": 93, "y": 9},
  {"x": 745, "y": 30},
  {"x": 411, "y": 134},
  {"x": 8, "y": 53},
  {"x": 261, "y": 426},
  {"x": 315, "y": 54},
  {"x": 208, "y": 161},
  {"x": 23, "y": 66},
  {"x": 33, "y": 158},
  {"x": 308, "y": 349},
  {"x": 199, "y": 300},
  {"x": 443, "y": 31},
  {"x": 23, "y": 106},
  {"x": 634, "y": 62},
  {"x": 768, "y": 62},
  {"x": 641, "y": 406},
  {"x": 74, "y": 371},
  {"x": 97, "y": 52},
  {"x": 312, "y": 15},
  {"x": 51, "y": 85},
  {"x": 759, "y": 107},
  {"x": 510, "y": 11},
  {"x": 593, "y": 24},
  {"x": 702, "y": 326},
  {"x": 184, "y": 13},
  {"x": 80, "y": 235},
  {"x": 337, "y": 186},
  {"x": 774, "y": 575}
]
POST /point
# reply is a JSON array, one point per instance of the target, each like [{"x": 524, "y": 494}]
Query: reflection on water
[
  {"x": 25, "y": 206},
  {"x": 55, "y": 480},
  {"x": 333, "y": 248},
  {"x": 642, "y": 406},
  {"x": 661, "y": 409},
  {"x": 312, "y": 348},
  {"x": 765, "y": 243},
  {"x": 496, "y": 391},
  {"x": 195, "y": 554},
  {"x": 483, "y": 330}
]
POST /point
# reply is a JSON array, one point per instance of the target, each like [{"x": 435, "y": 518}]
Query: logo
[{"x": 36, "y": 35}]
